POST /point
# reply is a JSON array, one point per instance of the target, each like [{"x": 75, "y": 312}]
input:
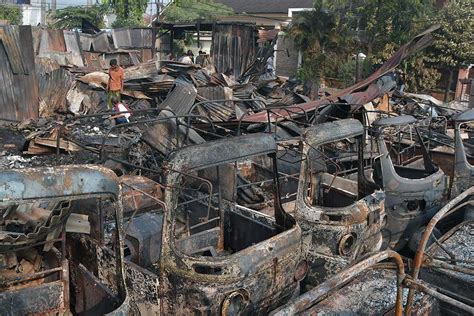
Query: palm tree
[{"x": 321, "y": 35}]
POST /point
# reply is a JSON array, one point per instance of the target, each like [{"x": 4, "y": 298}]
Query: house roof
[{"x": 266, "y": 6}]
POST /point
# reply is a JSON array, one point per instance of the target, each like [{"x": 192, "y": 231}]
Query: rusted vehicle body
[
  {"x": 463, "y": 170},
  {"x": 190, "y": 248},
  {"x": 37, "y": 267},
  {"x": 413, "y": 195},
  {"x": 229, "y": 259},
  {"x": 341, "y": 218}
]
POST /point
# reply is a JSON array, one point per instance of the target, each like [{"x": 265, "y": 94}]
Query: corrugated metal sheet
[
  {"x": 73, "y": 46},
  {"x": 10, "y": 38},
  {"x": 95, "y": 42},
  {"x": 62, "y": 46},
  {"x": 233, "y": 47},
  {"x": 133, "y": 38},
  {"x": 94, "y": 60},
  {"x": 216, "y": 111},
  {"x": 19, "y": 94},
  {"x": 52, "y": 41},
  {"x": 54, "y": 84},
  {"x": 180, "y": 99},
  {"x": 86, "y": 41},
  {"x": 100, "y": 43}
]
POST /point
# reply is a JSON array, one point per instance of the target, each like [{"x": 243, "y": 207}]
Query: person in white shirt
[
  {"x": 123, "y": 112},
  {"x": 188, "y": 58}
]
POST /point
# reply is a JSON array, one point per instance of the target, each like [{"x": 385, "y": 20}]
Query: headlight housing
[
  {"x": 235, "y": 303},
  {"x": 301, "y": 270}
]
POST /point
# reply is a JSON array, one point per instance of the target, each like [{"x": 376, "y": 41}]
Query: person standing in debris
[
  {"x": 206, "y": 60},
  {"x": 200, "y": 58},
  {"x": 123, "y": 112},
  {"x": 188, "y": 58},
  {"x": 400, "y": 77},
  {"x": 115, "y": 84},
  {"x": 269, "y": 66}
]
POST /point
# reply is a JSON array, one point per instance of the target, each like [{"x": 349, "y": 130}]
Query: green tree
[
  {"x": 454, "y": 45},
  {"x": 194, "y": 10},
  {"x": 385, "y": 25},
  {"x": 10, "y": 13},
  {"x": 129, "y": 12},
  {"x": 322, "y": 36},
  {"x": 388, "y": 22},
  {"x": 71, "y": 17},
  {"x": 422, "y": 76}
]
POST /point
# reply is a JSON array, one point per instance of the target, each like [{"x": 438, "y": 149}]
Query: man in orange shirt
[{"x": 115, "y": 84}]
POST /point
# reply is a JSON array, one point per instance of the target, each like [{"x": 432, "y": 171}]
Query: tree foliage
[
  {"x": 129, "y": 12},
  {"x": 194, "y": 10},
  {"x": 135, "y": 19},
  {"x": 322, "y": 36},
  {"x": 421, "y": 75},
  {"x": 10, "y": 13},
  {"x": 454, "y": 43},
  {"x": 337, "y": 30},
  {"x": 71, "y": 17},
  {"x": 388, "y": 22}
]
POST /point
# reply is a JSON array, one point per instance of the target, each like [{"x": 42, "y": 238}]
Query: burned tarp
[{"x": 18, "y": 83}]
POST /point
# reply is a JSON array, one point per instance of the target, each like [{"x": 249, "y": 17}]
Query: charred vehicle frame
[
  {"x": 341, "y": 218},
  {"x": 38, "y": 210},
  {"x": 413, "y": 195}
]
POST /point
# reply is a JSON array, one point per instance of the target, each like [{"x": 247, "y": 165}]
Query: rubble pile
[{"x": 225, "y": 194}]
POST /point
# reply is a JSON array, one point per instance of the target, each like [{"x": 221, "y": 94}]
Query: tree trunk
[
  {"x": 370, "y": 46},
  {"x": 448, "y": 87},
  {"x": 126, "y": 11}
]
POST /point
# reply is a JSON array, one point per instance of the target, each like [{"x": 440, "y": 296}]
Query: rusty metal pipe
[
  {"x": 161, "y": 203},
  {"x": 65, "y": 279},
  {"x": 158, "y": 201},
  {"x": 270, "y": 109},
  {"x": 31, "y": 276},
  {"x": 424, "y": 287},
  {"x": 454, "y": 260},
  {"x": 51, "y": 241},
  {"x": 444, "y": 265},
  {"x": 419, "y": 256},
  {"x": 311, "y": 297},
  {"x": 224, "y": 101}
]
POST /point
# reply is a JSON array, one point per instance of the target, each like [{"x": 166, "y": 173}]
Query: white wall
[{"x": 32, "y": 13}]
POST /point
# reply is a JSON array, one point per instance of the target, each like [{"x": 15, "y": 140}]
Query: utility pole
[
  {"x": 158, "y": 8},
  {"x": 89, "y": 3},
  {"x": 43, "y": 12},
  {"x": 53, "y": 6}
]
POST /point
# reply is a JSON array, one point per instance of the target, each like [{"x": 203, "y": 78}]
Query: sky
[{"x": 60, "y": 4}]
